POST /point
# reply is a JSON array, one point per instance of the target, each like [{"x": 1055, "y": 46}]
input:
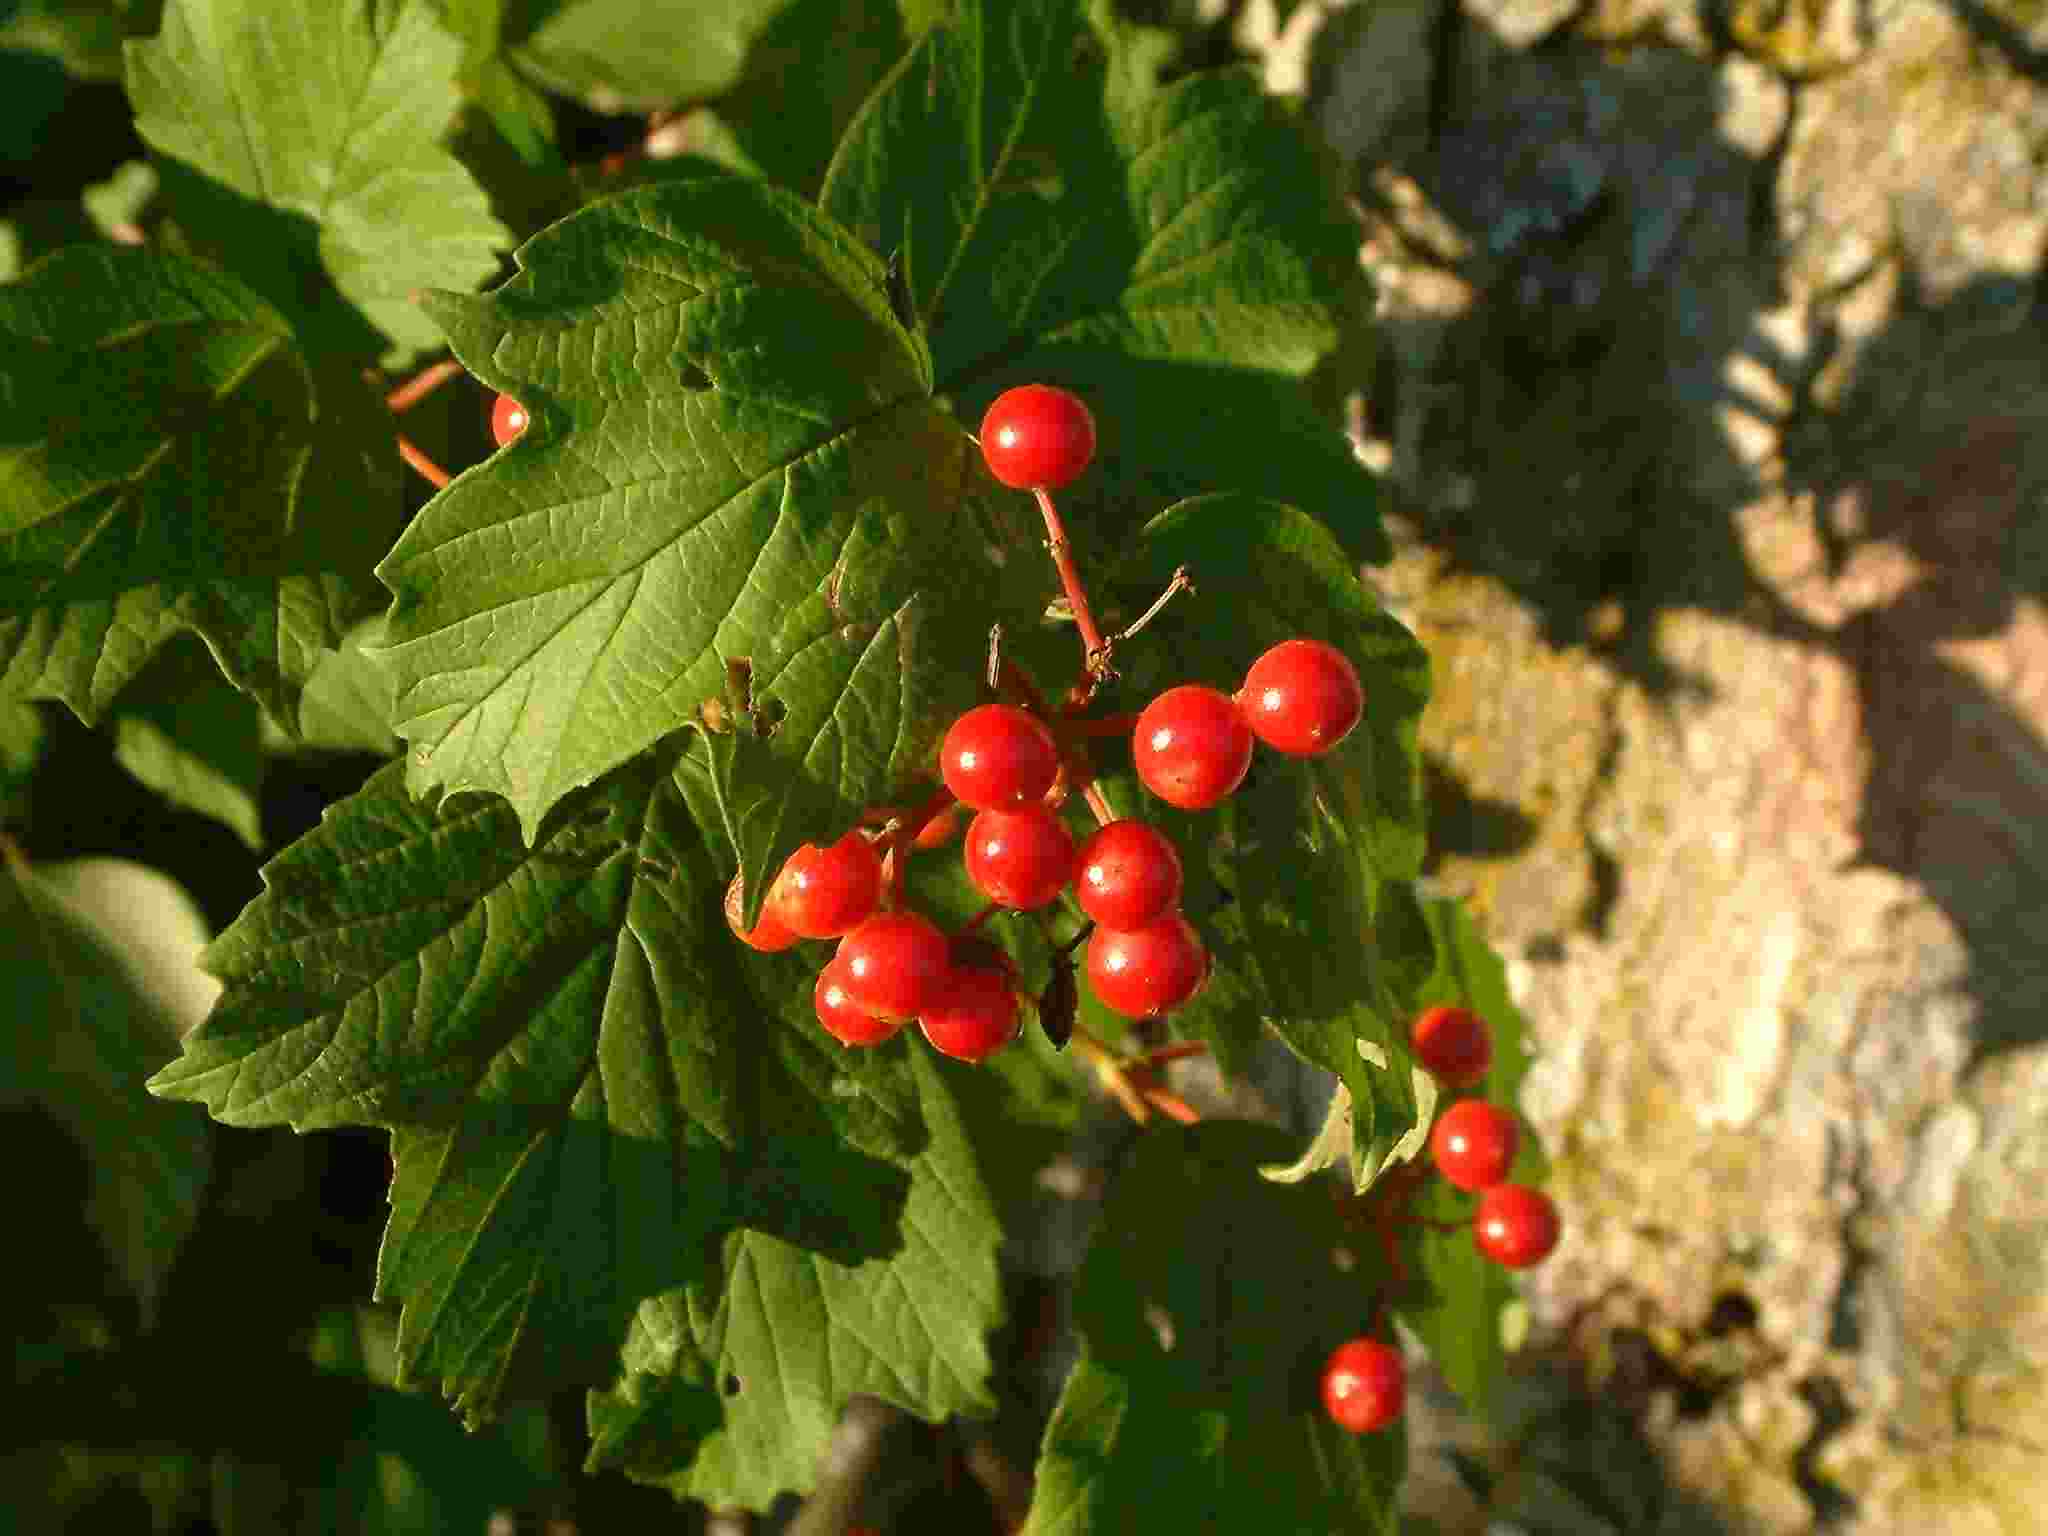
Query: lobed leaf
[
  {"x": 731, "y": 458},
  {"x": 170, "y": 461},
  {"x": 300, "y": 151},
  {"x": 1173, "y": 254}
]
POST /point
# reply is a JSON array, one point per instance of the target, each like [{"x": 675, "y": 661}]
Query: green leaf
[
  {"x": 731, "y": 456},
  {"x": 1457, "y": 1304},
  {"x": 186, "y": 734},
  {"x": 585, "y": 1072},
  {"x": 730, "y": 1392},
  {"x": 306, "y": 160},
  {"x": 1313, "y": 850},
  {"x": 85, "y": 35},
  {"x": 624, "y": 56},
  {"x": 1207, "y": 1308},
  {"x": 1172, "y": 254},
  {"x": 21, "y": 748},
  {"x": 767, "y": 124},
  {"x": 100, "y": 955},
  {"x": 521, "y": 113},
  {"x": 170, "y": 460},
  {"x": 346, "y": 705}
]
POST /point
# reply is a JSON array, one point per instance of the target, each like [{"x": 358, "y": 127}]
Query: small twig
[
  {"x": 421, "y": 385},
  {"x": 1103, "y": 725},
  {"x": 1098, "y": 804},
  {"x": 995, "y": 657},
  {"x": 1018, "y": 682},
  {"x": 1180, "y": 582},
  {"x": 427, "y": 469}
]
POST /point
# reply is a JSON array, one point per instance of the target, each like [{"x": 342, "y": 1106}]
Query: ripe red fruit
[
  {"x": 1302, "y": 697},
  {"x": 997, "y": 757},
  {"x": 1191, "y": 746},
  {"x": 1146, "y": 971},
  {"x": 1021, "y": 858},
  {"x": 1473, "y": 1143},
  {"x": 1452, "y": 1044},
  {"x": 1128, "y": 874},
  {"x": 508, "y": 419},
  {"x": 894, "y": 963},
  {"x": 844, "y": 1020},
  {"x": 1515, "y": 1226},
  {"x": 1037, "y": 436},
  {"x": 770, "y": 933},
  {"x": 823, "y": 893},
  {"x": 1365, "y": 1385},
  {"x": 973, "y": 1015}
]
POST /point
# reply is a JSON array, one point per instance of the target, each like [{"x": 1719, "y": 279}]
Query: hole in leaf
[
  {"x": 731, "y": 1385},
  {"x": 1732, "y": 1312},
  {"x": 693, "y": 377}
]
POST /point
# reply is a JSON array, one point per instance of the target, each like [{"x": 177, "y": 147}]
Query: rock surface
[{"x": 1711, "y": 395}]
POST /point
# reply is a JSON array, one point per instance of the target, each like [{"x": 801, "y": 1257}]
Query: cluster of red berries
[
  {"x": 1473, "y": 1145},
  {"x": 1014, "y": 768},
  {"x": 1007, "y": 764}
]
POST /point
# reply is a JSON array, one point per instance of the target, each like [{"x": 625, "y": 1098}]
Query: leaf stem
[
  {"x": 1103, "y": 725},
  {"x": 1098, "y": 803},
  {"x": 427, "y": 469},
  {"x": 421, "y": 385}
]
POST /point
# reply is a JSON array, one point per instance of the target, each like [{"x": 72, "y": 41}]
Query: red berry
[
  {"x": 1474, "y": 1143},
  {"x": 508, "y": 419},
  {"x": 1191, "y": 747},
  {"x": 770, "y": 933},
  {"x": 893, "y": 963},
  {"x": 1452, "y": 1044},
  {"x": 823, "y": 893},
  {"x": 1128, "y": 875},
  {"x": 843, "y": 1019},
  {"x": 1365, "y": 1385},
  {"x": 973, "y": 1016},
  {"x": 1037, "y": 436},
  {"x": 1148, "y": 970},
  {"x": 1302, "y": 697},
  {"x": 1021, "y": 859},
  {"x": 1515, "y": 1226},
  {"x": 998, "y": 757}
]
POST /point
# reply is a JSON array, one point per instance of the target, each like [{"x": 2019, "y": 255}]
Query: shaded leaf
[
  {"x": 101, "y": 956},
  {"x": 623, "y": 56},
  {"x": 85, "y": 35},
  {"x": 172, "y": 461},
  {"x": 580, "y": 1063},
  {"x": 1207, "y": 1307},
  {"x": 306, "y": 160},
  {"x": 731, "y": 1390},
  {"x": 187, "y": 735}
]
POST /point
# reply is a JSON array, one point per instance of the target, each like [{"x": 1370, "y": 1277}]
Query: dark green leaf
[
  {"x": 731, "y": 1389},
  {"x": 1173, "y": 255},
  {"x": 86, "y": 35},
  {"x": 627, "y": 56},
  {"x": 732, "y": 456},
  {"x": 186, "y": 734},
  {"x": 306, "y": 160},
  {"x": 174, "y": 462},
  {"x": 585, "y": 1072},
  {"x": 1207, "y": 1308},
  {"x": 100, "y": 955}
]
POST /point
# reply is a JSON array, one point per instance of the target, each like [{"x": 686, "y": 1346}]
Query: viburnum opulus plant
[{"x": 788, "y": 797}]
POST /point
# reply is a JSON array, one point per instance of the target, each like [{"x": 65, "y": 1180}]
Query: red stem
[
  {"x": 1100, "y": 806},
  {"x": 1070, "y": 578},
  {"x": 1103, "y": 725},
  {"x": 429, "y": 471},
  {"x": 421, "y": 385}
]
